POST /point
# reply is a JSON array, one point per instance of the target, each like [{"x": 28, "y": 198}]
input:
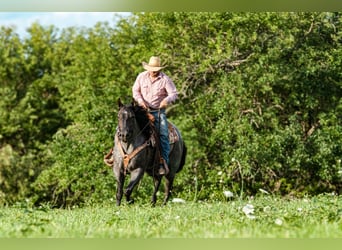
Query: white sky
[{"x": 22, "y": 20}]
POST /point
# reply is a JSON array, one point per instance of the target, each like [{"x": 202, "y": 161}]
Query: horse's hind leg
[
  {"x": 168, "y": 188},
  {"x": 136, "y": 175},
  {"x": 156, "y": 181}
]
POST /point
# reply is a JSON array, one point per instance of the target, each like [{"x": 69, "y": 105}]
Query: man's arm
[
  {"x": 172, "y": 93},
  {"x": 136, "y": 92}
]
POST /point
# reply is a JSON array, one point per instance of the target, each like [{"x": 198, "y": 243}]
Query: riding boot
[{"x": 163, "y": 168}]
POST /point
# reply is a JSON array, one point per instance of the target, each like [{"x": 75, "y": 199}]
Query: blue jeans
[{"x": 163, "y": 133}]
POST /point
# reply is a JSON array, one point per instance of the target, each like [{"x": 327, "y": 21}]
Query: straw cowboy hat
[{"x": 153, "y": 64}]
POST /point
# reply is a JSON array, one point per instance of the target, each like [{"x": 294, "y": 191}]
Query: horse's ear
[{"x": 120, "y": 103}]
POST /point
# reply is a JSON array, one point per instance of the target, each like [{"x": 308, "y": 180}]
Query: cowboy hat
[{"x": 153, "y": 64}]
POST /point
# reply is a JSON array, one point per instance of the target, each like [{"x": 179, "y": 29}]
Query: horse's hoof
[{"x": 130, "y": 202}]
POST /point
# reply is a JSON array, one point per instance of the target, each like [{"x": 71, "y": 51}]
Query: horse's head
[
  {"x": 126, "y": 121},
  {"x": 133, "y": 119}
]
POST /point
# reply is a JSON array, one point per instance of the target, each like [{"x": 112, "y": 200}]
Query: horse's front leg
[
  {"x": 156, "y": 181},
  {"x": 136, "y": 176},
  {"x": 120, "y": 179}
]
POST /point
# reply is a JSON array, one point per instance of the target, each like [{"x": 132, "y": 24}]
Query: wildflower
[
  {"x": 263, "y": 191},
  {"x": 178, "y": 200},
  {"x": 228, "y": 194},
  {"x": 249, "y": 210},
  {"x": 278, "y": 221},
  {"x": 300, "y": 209},
  {"x": 251, "y": 216},
  {"x": 267, "y": 209},
  {"x": 219, "y": 173}
]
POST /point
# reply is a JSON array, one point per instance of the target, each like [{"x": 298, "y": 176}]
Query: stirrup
[
  {"x": 109, "y": 162},
  {"x": 108, "y": 158},
  {"x": 163, "y": 168}
]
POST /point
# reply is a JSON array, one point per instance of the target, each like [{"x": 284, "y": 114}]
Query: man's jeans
[{"x": 163, "y": 133}]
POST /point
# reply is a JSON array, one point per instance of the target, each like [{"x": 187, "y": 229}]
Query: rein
[{"x": 128, "y": 157}]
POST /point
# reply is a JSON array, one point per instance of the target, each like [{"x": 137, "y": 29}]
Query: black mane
[{"x": 142, "y": 119}]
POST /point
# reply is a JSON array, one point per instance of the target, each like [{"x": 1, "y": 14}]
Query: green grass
[{"x": 273, "y": 217}]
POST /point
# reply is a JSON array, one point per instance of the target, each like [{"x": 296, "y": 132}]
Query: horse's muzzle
[{"x": 124, "y": 135}]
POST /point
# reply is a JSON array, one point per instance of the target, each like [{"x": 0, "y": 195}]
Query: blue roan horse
[{"x": 136, "y": 151}]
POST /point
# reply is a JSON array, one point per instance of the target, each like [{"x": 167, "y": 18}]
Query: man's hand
[
  {"x": 143, "y": 104},
  {"x": 163, "y": 104}
]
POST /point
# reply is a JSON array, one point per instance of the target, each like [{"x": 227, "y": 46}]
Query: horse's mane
[{"x": 142, "y": 119}]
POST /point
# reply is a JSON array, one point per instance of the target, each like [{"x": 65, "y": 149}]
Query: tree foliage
[{"x": 259, "y": 103}]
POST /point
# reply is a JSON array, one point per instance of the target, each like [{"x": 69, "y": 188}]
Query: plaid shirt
[{"x": 154, "y": 92}]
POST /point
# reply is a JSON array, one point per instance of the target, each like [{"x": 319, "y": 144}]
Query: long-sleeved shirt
[{"x": 154, "y": 92}]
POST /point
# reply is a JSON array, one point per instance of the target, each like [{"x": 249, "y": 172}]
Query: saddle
[{"x": 173, "y": 135}]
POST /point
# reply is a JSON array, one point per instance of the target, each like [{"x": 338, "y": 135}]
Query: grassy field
[{"x": 260, "y": 217}]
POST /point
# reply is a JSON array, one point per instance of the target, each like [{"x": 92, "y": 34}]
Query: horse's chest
[{"x": 140, "y": 159}]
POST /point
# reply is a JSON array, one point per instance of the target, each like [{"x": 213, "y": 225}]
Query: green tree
[
  {"x": 30, "y": 113},
  {"x": 259, "y": 103}
]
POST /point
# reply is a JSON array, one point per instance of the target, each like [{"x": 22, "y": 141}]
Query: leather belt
[{"x": 152, "y": 109}]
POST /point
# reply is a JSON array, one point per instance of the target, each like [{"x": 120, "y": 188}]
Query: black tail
[{"x": 182, "y": 162}]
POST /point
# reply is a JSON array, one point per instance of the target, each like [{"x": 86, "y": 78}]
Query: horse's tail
[{"x": 182, "y": 162}]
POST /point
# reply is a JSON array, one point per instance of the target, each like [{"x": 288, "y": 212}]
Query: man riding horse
[{"x": 154, "y": 91}]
